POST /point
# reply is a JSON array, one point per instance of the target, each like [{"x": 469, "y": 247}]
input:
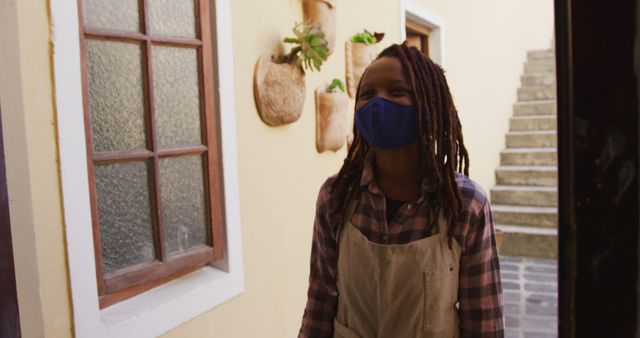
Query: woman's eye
[
  {"x": 365, "y": 95},
  {"x": 400, "y": 92}
]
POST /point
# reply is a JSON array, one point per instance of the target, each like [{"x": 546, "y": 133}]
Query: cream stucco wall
[
  {"x": 280, "y": 171},
  {"x": 26, "y": 96}
]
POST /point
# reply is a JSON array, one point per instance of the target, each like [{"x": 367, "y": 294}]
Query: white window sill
[{"x": 159, "y": 310}]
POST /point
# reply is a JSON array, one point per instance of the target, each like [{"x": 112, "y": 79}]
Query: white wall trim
[
  {"x": 419, "y": 14},
  {"x": 163, "y": 308}
]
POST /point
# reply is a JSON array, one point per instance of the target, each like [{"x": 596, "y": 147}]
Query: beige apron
[{"x": 397, "y": 290}]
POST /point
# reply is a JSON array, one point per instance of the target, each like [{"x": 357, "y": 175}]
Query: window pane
[
  {"x": 172, "y": 18},
  {"x": 122, "y": 15},
  {"x": 183, "y": 203},
  {"x": 124, "y": 214},
  {"x": 116, "y": 95},
  {"x": 177, "y": 96}
]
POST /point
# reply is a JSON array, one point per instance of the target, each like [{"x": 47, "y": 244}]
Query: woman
[{"x": 400, "y": 235}]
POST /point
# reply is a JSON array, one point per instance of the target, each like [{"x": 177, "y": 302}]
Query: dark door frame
[
  {"x": 9, "y": 317},
  {"x": 597, "y": 168}
]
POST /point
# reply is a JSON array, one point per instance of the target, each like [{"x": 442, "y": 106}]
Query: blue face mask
[{"x": 386, "y": 124}]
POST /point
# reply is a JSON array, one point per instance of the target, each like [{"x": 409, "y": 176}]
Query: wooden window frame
[{"x": 116, "y": 286}]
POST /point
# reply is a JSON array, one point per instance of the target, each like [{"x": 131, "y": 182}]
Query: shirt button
[
  {"x": 409, "y": 206},
  {"x": 385, "y": 237}
]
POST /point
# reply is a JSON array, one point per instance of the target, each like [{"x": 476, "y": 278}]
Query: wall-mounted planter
[
  {"x": 358, "y": 57},
  {"x": 331, "y": 119},
  {"x": 279, "y": 91},
  {"x": 323, "y": 14}
]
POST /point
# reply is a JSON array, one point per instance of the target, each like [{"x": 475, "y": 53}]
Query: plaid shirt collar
[{"x": 368, "y": 179}]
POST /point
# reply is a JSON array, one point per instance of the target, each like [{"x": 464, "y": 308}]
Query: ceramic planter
[
  {"x": 279, "y": 91},
  {"x": 331, "y": 119},
  {"x": 358, "y": 57},
  {"x": 323, "y": 14}
]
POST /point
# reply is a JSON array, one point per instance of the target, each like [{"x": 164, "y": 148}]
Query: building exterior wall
[
  {"x": 279, "y": 169},
  {"x": 28, "y": 121}
]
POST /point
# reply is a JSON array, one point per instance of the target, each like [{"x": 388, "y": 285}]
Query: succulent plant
[
  {"x": 310, "y": 49},
  {"x": 367, "y": 37},
  {"x": 336, "y": 83}
]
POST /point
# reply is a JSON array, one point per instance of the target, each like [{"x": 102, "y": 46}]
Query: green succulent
[
  {"x": 336, "y": 83},
  {"x": 367, "y": 37},
  {"x": 311, "y": 47}
]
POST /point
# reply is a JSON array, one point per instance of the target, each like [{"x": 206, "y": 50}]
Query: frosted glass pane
[
  {"x": 177, "y": 96},
  {"x": 116, "y": 95},
  {"x": 183, "y": 203},
  {"x": 172, "y": 18},
  {"x": 122, "y": 15},
  {"x": 125, "y": 216}
]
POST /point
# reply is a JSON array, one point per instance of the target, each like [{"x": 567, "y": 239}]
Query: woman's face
[{"x": 384, "y": 78}]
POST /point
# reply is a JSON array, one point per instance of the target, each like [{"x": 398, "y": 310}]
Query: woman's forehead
[{"x": 384, "y": 69}]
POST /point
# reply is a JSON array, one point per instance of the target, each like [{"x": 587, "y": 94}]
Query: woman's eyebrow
[{"x": 398, "y": 79}]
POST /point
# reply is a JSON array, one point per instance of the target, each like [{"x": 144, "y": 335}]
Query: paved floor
[{"x": 530, "y": 296}]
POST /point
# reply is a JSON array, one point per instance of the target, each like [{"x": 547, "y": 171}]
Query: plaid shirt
[{"x": 480, "y": 288}]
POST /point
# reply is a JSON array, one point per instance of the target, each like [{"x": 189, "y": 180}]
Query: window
[
  {"x": 152, "y": 142},
  {"x": 418, "y": 36}
]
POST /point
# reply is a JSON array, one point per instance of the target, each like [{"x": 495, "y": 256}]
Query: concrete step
[
  {"x": 542, "y": 107},
  {"x": 529, "y": 156},
  {"x": 543, "y": 217},
  {"x": 534, "y": 93},
  {"x": 528, "y": 241},
  {"x": 535, "y": 175},
  {"x": 533, "y": 122},
  {"x": 540, "y": 66},
  {"x": 538, "y": 79},
  {"x": 524, "y": 195},
  {"x": 538, "y": 54},
  {"x": 532, "y": 139}
]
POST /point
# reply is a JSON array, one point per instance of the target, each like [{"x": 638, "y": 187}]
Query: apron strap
[{"x": 351, "y": 208}]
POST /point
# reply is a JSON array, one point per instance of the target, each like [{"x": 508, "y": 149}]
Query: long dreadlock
[{"x": 443, "y": 150}]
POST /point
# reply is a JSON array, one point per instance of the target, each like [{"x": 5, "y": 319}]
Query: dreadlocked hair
[{"x": 442, "y": 146}]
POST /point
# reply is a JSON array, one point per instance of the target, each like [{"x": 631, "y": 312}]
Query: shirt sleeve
[
  {"x": 480, "y": 287},
  {"x": 322, "y": 296}
]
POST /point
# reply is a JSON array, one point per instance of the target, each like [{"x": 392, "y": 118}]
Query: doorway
[{"x": 418, "y": 36}]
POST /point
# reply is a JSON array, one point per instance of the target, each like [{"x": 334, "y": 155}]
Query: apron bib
[{"x": 397, "y": 290}]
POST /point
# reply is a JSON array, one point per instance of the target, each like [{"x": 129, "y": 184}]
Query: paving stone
[
  {"x": 510, "y": 276},
  {"x": 541, "y": 278},
  {"x": 537, "y": 298},
  {"x": 511, "y": 296},
  {"x": 540, "y": 324},
  {"x": 509, "y": 267},
  {"x": 512, "y": 308},
  {"x": 510, "y": 321},
  {"x": 540, "y": 335},
  {"x": 538, "y": 287},
  {"x": 531, "y": 301},
  {"x": 543, "y": 261},
  {"x": 510, "y": 286},
  {"x": 512, "y": 334},
  {"x": 543, "y": 269},
  {"x": 542, "y": 310}
]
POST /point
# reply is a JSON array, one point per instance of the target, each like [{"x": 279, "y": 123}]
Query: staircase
[{"x": 524, "y": 201}]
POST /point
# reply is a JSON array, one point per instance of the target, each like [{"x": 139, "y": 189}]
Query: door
[{"x": 418, "y": 36}]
